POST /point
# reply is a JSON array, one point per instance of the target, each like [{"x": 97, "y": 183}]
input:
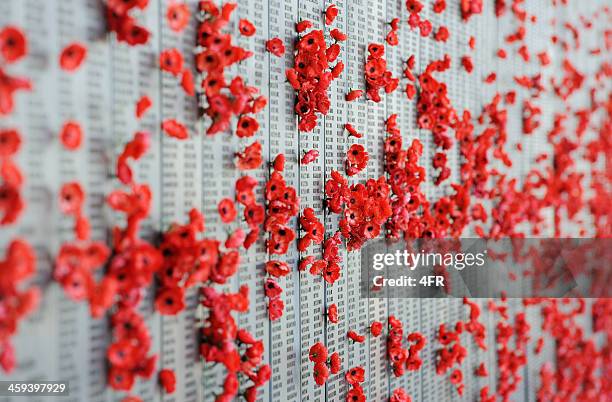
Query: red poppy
[
  {"x": 272, "y": 289},
  {"x": 250, "y": 158},
  {"x": 309, "y": 157},
  {"x": 456, "y": 376},
  {"x": 120, "y": 379},
  {"x": 177, "y": 16},
  {"x": 320, "y": 373},
  {"x": 13, "y": 44},
  {"x": 143, "y": 104},
  {"x": 10, "y": 142},
  {"x": 442, "y": 34},
  {"x": 247, "y": 127},
  {"x": 318, "y": 353},
  {"x": 354, "y": 94},
  {"x": 246, "y": 27},
  {"x": 376, "y": 328},
  {"x": 338, "y": 35},
  {"x": 174, "y": 129},
  {"x": 332, "y": 313},
  {"x": 279, "y": 163},
  {"x": 72, "y": 56},
  {"x": 355, "y": 394},
  {"x": 352, "y": 131},
  {"x": 355, "y": 375},
  {"x": 275, "y": 309},
  {"x": 227, "y": 210},
  {"x": 187, "y": 82},
  {"x": 466, "y": 62},
  {"x": 277, "y": 268},
  {"x": 392, "y": 38},
  {"x": 171, "y": 60},
  {"x": 170, "y": 301},
  {"x": 355, "y": 337},
  {"x": 71, "y": 135},
  {"x": 275, "y": 46},
  {"x": 330, "y": 14},
  {"x": 399, "y": 395},
  {"x": 236, "y": 239},
  {"x": 71, "y": 198},
  {"x": 335, "y": 363},
  {"x": 303, "y": 25},
  {"x": 167, "y": 380}
]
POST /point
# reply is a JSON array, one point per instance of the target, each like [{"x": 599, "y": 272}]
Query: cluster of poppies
[
  {"x": 324, "y": 363},
  {"x": 13, "y": 47},
  {"x": 452, "y": 353},
  {"x": 215, "y": 54},
  {"x": 355, "y": 377},
  {"x": 282, "y": 205},
  {"x": 474, "y": 326},
  {"x": 327, "y": 267},
  {"x": 16, "y": 302},
  {"x": 235, "y": 348},
  {"x": 313, "y": 229},
  {"x": 312, "y": 73},
  {"x": 124, "y": 25},
  {"x": 470, "y": 8},
  {"x": 377, "y": 75},
  {"x": 400, "y": 358},
  {"x": 415, "y": 21}
]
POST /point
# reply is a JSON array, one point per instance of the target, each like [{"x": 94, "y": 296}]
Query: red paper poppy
[
  {"x": 335, "y": 363},
  {"x": 171, "y": 60},
  {"x": 275, "y": 309},
  {"x": 376, "y": 328},
  {"x": 143, "y": 104},
  {"x": 178, "y": 16},
  {"x": 330, "y": 14},
  {"x": 332, "y": 313},
  {"x": 10, "y": 142},
  {"x": 71, "y": 198},
  {"x": 187, "y": 82},
  {"x": 246, "y": 27},
  {"x": 174, "y": 129},
  {"x": 71, "y": 135},
  {"x": 72, "y": 56},
  {"x": 318, "y": 353},
  {"x": 13, "y": 44},
  {"x": 170, "y": 301},
  {"x": 355, "y": 375},
  {"x": 338, "y": 35},
  {"x": 309, "y": 157},
  {"x": 272, "y": 289},
  {"x": 247, "y": 127},
  {"x": 354, "y": 94},
  {"x": 227, "y": 210},
  {"x": 276, "y": 47},
  {"x": 277, "y": 268},
  {"x": 167, "y": 380},
  {"x": 320, "y": 373}
]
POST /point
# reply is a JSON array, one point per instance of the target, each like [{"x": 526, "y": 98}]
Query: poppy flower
[
  {"x": 376, "y": 328},
  {"x": 72, "y": 56},
  {"x": 170, "y": 301},
  {"x": 309, "y": 157},
  {"x": 277, "y": 268},
  {"x": 352, "y": 131},
  {"x": 272, "y": 289},
  {"x": 71, "y": 198},
  {"x": 466, "y": 62},
  {"x": 354, "y": 94},
  {"x": 187, "y": 82},
  {"x": 318, "y": 353},
  {"x": 392, "y": 38},
  {"x": 399, "y": 394},
  {"x": 338, "y": 35},
  {"x": 442, "y": 34},
  {"x": 279, "y": 163},
  {"x": 171, "y": 60},
  {"x": 167, "y": 380},
  {"x": 355, "y": 394},
  {"x": 250, "y": 158},
  {"x": 174, "y": 129},
  {"x": 246, "y": 28},
  {"x": 303, "y": 25},
  {"x": 332, "y": 313},
  {"x": 120, "y": 379},
  {"x": 143, "y": 104},
  {"x": 355, "y": 337},
  {"x": 13, "y": 44},
  {"x": 275, "y": 309},
  {"x": 10, "y": 142},
  {"x": 247, "y": 127},
  {"x": 335, "y": 363},
  {"x": 320, "y": 373},
  {"x": 456, "y": 376},
  {"x": 177, "y": 16},
  {"x": 330, "y": 14},
  {"x": 355, "y": 375},
  {"x": 276, "y": 47},
  {"x": 236, "y": 239},
  {"x": 227, "y": 210},
  {"x": 71, "y": 135}
]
